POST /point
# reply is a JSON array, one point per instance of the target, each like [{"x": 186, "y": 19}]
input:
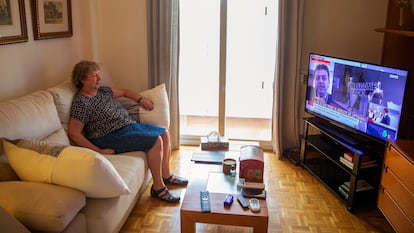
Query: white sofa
[{"x": 48, "y": 207}]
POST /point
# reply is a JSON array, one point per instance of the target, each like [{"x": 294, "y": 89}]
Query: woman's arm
[
  {"x": 144, "y": 102},
  {"x": 75, "y": 128}
]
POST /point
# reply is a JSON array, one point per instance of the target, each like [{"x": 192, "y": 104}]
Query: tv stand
[
  {"x": 348, "y": 165},
  {"x": 338, "y": 134}
]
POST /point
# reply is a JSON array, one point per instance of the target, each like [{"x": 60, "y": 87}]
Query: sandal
[
  {"x": 164, "y": 195},
  {"x": 175, "y": 180}
]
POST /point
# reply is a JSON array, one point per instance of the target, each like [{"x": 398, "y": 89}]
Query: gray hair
[{"x": 81, "y": 71}]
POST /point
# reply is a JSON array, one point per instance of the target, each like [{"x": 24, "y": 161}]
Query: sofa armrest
[{"x": 10, "y": 224}]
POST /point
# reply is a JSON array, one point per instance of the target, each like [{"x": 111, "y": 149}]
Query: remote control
[
  {"x": 254, "y": 205},
  {"x": 229, "y": 200},
  {"x": 205, "y": 201},
  {"x": 242, "y": 201}
]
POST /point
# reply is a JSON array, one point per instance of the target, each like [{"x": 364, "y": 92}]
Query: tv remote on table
[
  {"x": 242, "y": 201},
  {"x": 205, "y": 201},
  {"x": 254, "y": 205}
]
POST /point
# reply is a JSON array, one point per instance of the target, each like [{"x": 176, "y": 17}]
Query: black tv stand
[
  {"x": 342, "y": 161},
  {"x": 342, "y": 136}
]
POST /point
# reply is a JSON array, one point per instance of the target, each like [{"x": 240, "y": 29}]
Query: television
[{"x": 357, "y": 96}]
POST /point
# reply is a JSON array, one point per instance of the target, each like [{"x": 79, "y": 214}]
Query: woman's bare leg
[
  {"x": 166, "y": 172},
  {"x": 154, "y": 158}
]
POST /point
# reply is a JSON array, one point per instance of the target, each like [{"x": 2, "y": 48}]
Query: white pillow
[
  {"x": 75, "y": 167},
  {"x": 88, "y": 171},
  {"x": 160, "y": 115},
  {"x": 62, "y": 96}
]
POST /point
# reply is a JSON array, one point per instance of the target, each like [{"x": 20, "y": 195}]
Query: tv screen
[{"x": 365, "y": 97}]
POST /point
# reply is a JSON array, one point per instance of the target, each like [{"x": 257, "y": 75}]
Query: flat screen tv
[{"x": 358, "y": 96}]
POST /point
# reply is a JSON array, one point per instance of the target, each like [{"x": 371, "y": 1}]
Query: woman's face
[{"x": 92, "y": 81}]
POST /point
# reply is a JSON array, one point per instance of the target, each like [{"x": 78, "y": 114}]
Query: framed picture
[
  {"x": 51, "y": 19},
  {"x": 13, "y": 27}
]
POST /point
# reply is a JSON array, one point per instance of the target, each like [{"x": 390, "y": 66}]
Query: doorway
[{"x": 227, "y": 60}]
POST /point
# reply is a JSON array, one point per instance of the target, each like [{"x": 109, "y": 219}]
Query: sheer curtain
[
  {"x": 286, "y": 106},
  {"x": 163, "y": 47}
]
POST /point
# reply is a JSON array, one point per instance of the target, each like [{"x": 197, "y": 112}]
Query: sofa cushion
[
  {"x": 108, "y": 215},
  {"x": 40, "y": 206},
  {"x": 29, "y": 164},
  {"x": 63, "y": 96},
  {"x": 60, "y": 137},
  {"x": 159, "y": 116},
  {"x": 89, "y": 171},
  {"x": 132, "y": 106},
  {"x": 33, "y": 116},
  {"x": 74, "y": 167}
]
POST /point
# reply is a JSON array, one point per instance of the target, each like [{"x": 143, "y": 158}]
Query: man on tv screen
[{"x": 321, "y": 76}]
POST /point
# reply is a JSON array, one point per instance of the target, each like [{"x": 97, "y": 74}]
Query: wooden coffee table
[{"x": 190, "y": 211}]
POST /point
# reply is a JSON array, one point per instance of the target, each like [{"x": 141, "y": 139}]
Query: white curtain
[
  {"x": 163, "y": 47},
  {"x": 287, "y": 79}
]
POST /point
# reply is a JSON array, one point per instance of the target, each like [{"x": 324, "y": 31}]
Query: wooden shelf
[{"x": 396, "y": 31}]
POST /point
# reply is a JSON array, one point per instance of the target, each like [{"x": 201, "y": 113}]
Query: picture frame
[
  {"x": 13, "y": 27},
  {"x": 51, "y": 19}
]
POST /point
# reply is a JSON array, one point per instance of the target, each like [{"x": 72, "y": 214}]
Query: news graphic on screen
[{"x": 365, "y": 97}]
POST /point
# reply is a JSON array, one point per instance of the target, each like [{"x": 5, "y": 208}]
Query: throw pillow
[
  {"x": 88, "y": 171},
  {"x": 74, "y": 167},
  {"x": 41, "y": 147},
  {"x": 160, "y": 115},
  {"x": 62, "y": 96},
  {"x": 28, "y": 164},
  {"x": 131, "y": 106}
]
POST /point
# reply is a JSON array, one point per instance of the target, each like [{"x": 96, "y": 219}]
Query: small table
[{"x": 190, "y": 211}]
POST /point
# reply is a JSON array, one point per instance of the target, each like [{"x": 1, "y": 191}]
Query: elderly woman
[{"x": 98, "y": 122}]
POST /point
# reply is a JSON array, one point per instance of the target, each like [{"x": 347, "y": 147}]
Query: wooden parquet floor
[{"x": 297, "y": 202}]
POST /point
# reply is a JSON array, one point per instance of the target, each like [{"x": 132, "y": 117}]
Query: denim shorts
[{"x": 133, "y": 137}]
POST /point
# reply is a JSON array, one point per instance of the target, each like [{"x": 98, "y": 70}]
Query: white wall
[
  {"x": 342, "y": 29},
  {"x": 108, "y": 32},
  {"x": 123, "y": 41},
  {"x": 25, "y": 67}
]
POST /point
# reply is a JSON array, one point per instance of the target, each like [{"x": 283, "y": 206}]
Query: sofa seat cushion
[
  {"x": 40, "y": 206},
  {"x": 70, "y": 166},
  {"x": 131, "y": 166},
  {"x": 108, "y": 215}
]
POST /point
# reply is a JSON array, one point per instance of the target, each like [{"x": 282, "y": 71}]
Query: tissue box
[
  {"x": 220, "y": 144},
  {"x": 251, "y": 163}
]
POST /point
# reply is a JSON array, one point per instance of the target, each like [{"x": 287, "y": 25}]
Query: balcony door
[{"x": 227, "y": 60}]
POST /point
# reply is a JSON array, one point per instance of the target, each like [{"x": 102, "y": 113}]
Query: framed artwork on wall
[
  {"x": 51, "y": 19},
  {"x": 13, "y": 27}
]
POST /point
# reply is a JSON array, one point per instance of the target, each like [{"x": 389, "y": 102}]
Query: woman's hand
[
  {"x": 147, "y": 104},
  {"x": 106, "y": 151}
]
